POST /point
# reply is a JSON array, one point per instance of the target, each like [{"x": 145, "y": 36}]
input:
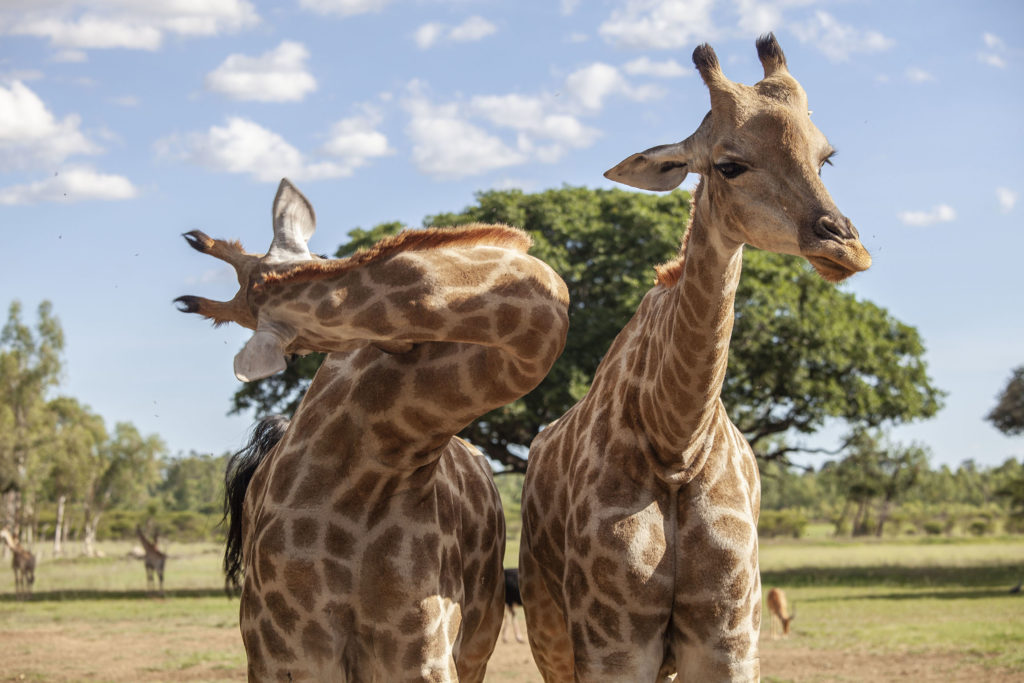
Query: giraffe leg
[{"x": 545, "y": 625}]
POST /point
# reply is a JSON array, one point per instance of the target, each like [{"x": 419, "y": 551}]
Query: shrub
[{"x": 775, "y": 523}]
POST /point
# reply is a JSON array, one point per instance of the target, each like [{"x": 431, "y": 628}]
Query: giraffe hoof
[
  {"x": 188, "y": 304},
  {"x": 198, "y": 240}
]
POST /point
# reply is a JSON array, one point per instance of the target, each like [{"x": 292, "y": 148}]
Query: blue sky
[{"x": 124, "y": 123}]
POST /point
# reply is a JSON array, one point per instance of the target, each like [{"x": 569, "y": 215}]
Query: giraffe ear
[
  {"x": 664, "y": 167},
  {"x": 658, "y": 168},
  {"x": 294, "y": 223},
  {"x": 262, "y": 356}
]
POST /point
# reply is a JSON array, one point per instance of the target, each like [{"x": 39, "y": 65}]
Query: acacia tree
[{"x": 803, "y": 351}]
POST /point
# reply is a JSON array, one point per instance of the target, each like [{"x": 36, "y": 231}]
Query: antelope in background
[{"x": 780, "y": 612}]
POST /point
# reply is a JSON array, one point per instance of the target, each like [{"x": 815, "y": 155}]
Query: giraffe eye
[{"x": 730, "y": 169}]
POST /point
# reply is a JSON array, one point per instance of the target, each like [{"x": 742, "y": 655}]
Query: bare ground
[{"x": 122, "y": 653}]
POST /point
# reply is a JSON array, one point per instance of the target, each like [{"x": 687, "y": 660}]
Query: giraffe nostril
[{"x": 827, "y": 227}]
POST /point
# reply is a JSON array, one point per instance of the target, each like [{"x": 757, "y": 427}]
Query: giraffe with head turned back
[
  {"x": 372, "y": 537},
  {"x": 23, "y": 562},
  {"x": 154, "y": 560},
  {"x": 639, "y": 545}
]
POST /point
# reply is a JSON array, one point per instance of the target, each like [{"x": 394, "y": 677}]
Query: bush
[
  {"x": 774, "y": 523},
  {"x": 934, "y": 528}
]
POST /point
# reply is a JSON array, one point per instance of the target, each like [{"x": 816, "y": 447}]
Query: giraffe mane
[{"x": 473, "y": 234}]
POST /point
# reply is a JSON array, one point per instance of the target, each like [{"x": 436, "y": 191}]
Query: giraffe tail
[{"x": 241, "y": 466}]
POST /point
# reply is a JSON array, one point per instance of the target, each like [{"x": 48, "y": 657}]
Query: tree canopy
[
  {"x": 1008, "y": 415},
  {"x": 803, "y": 351}
]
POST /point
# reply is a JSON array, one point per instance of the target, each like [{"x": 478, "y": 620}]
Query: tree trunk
[
  {"x": 89, "y": 532},
  {"x": 58, "y": 531}
]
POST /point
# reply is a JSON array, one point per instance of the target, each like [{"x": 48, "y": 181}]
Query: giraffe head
[
  {"x": 294, "y": 222},
  {"x": 760, "y": 158}
]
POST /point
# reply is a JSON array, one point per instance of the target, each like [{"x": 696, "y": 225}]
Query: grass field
[{"x": 867, "y": 611}]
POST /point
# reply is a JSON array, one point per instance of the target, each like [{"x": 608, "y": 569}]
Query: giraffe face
[{"x": 760, "y": 156}]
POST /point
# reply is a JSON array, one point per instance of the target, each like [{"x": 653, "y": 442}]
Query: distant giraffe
[
  {"x": 372, "y": 537},
  {"x": 154, "y": 560},
  {"x": 24, "y": 564}
]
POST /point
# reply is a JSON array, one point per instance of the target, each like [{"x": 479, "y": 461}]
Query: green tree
[
  {"x": 803, "y": 351},
  {"x": 1008, "y": 415},
  {"x": 193, "y": 482},
  {"x": 124, "y": 471},
  {"x": 30, "y": 365},
  {"x": 76, "y": 443}
]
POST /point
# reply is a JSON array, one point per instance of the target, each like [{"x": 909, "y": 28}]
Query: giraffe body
[
  {"x": 154, "y": 561},
  {"x": 23, "y": 562},
  {"x": 372, "y": 537},
  {"x": 638, "y": 557}
]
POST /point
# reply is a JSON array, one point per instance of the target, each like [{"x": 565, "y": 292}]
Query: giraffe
[
  {"x": 24, "y": 564},
  {"x": 154, "y": 559},
  {"x": 638, "y": 556},
  {"x": 371, "y": 537}
]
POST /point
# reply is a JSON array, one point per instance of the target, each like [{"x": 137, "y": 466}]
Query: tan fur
[
  {"x": 372, "y": 537},
  {"x": 474, "y": 234},
  {"x": 779, "y": 610},
  {"x": 638, "y": 556}
]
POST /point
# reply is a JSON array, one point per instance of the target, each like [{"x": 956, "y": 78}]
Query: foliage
[
  {"x": 855, "y": 362},
  {"x": 787, "y": 523},
  {"x": 1008, "y": 415}
]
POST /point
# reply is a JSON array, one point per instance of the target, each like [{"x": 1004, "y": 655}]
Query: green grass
[
  {"x": 905, "y": 595},
  {"x": 944, "y": 596}
]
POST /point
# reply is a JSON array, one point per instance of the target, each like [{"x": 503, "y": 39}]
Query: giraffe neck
[{"x": 689, "y": 345}]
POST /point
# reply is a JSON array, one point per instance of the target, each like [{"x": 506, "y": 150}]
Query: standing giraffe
[
  {"x": 24, "y": 564},
  {"x": 154, "y": 559},
  {"x": 640, "y": 505},
  {"x": 372, "y": 538}
]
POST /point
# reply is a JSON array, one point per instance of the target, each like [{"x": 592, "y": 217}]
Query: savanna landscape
[{"x": 877, "y": 610}]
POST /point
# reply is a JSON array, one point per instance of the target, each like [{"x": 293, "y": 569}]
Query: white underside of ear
[{"x": 262, "y": 356}]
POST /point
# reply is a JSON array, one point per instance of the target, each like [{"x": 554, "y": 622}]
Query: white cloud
[
  {"x": 918, "y": 75},
  {"x": 997, "y": 51},
  {"x": 126, "y": 101},
  {"x": 589, "y": 86},
  {"x": 70, "y": 185},
  {"x": 31, "y": 136},
  {"x": 942, "y": 213},
  {"x": 276, "y": 76},
  {"x": 664, "y": 24},
  {"x": 993, "y": 41},
  {"x": 353, "y": 141},
  {"x": 1007, "y": 199},
  {"x": 75, "y": 25},
  {"x": 992, "y": 60},
  {"x": 428, "y": 34},
  {"x": 459, "y": 139},
  {"x": 569, "y": 6},
  {"x": 643, "y": 66},
  {"x": 345, "y": 8},
  {"x": 473, "y": 29},
  {"x": 838, "y": 41},
  {"x": 446, "y": 145},
  {"x": 536, "y": 118},
  {"x": 242, "y": 146}
]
